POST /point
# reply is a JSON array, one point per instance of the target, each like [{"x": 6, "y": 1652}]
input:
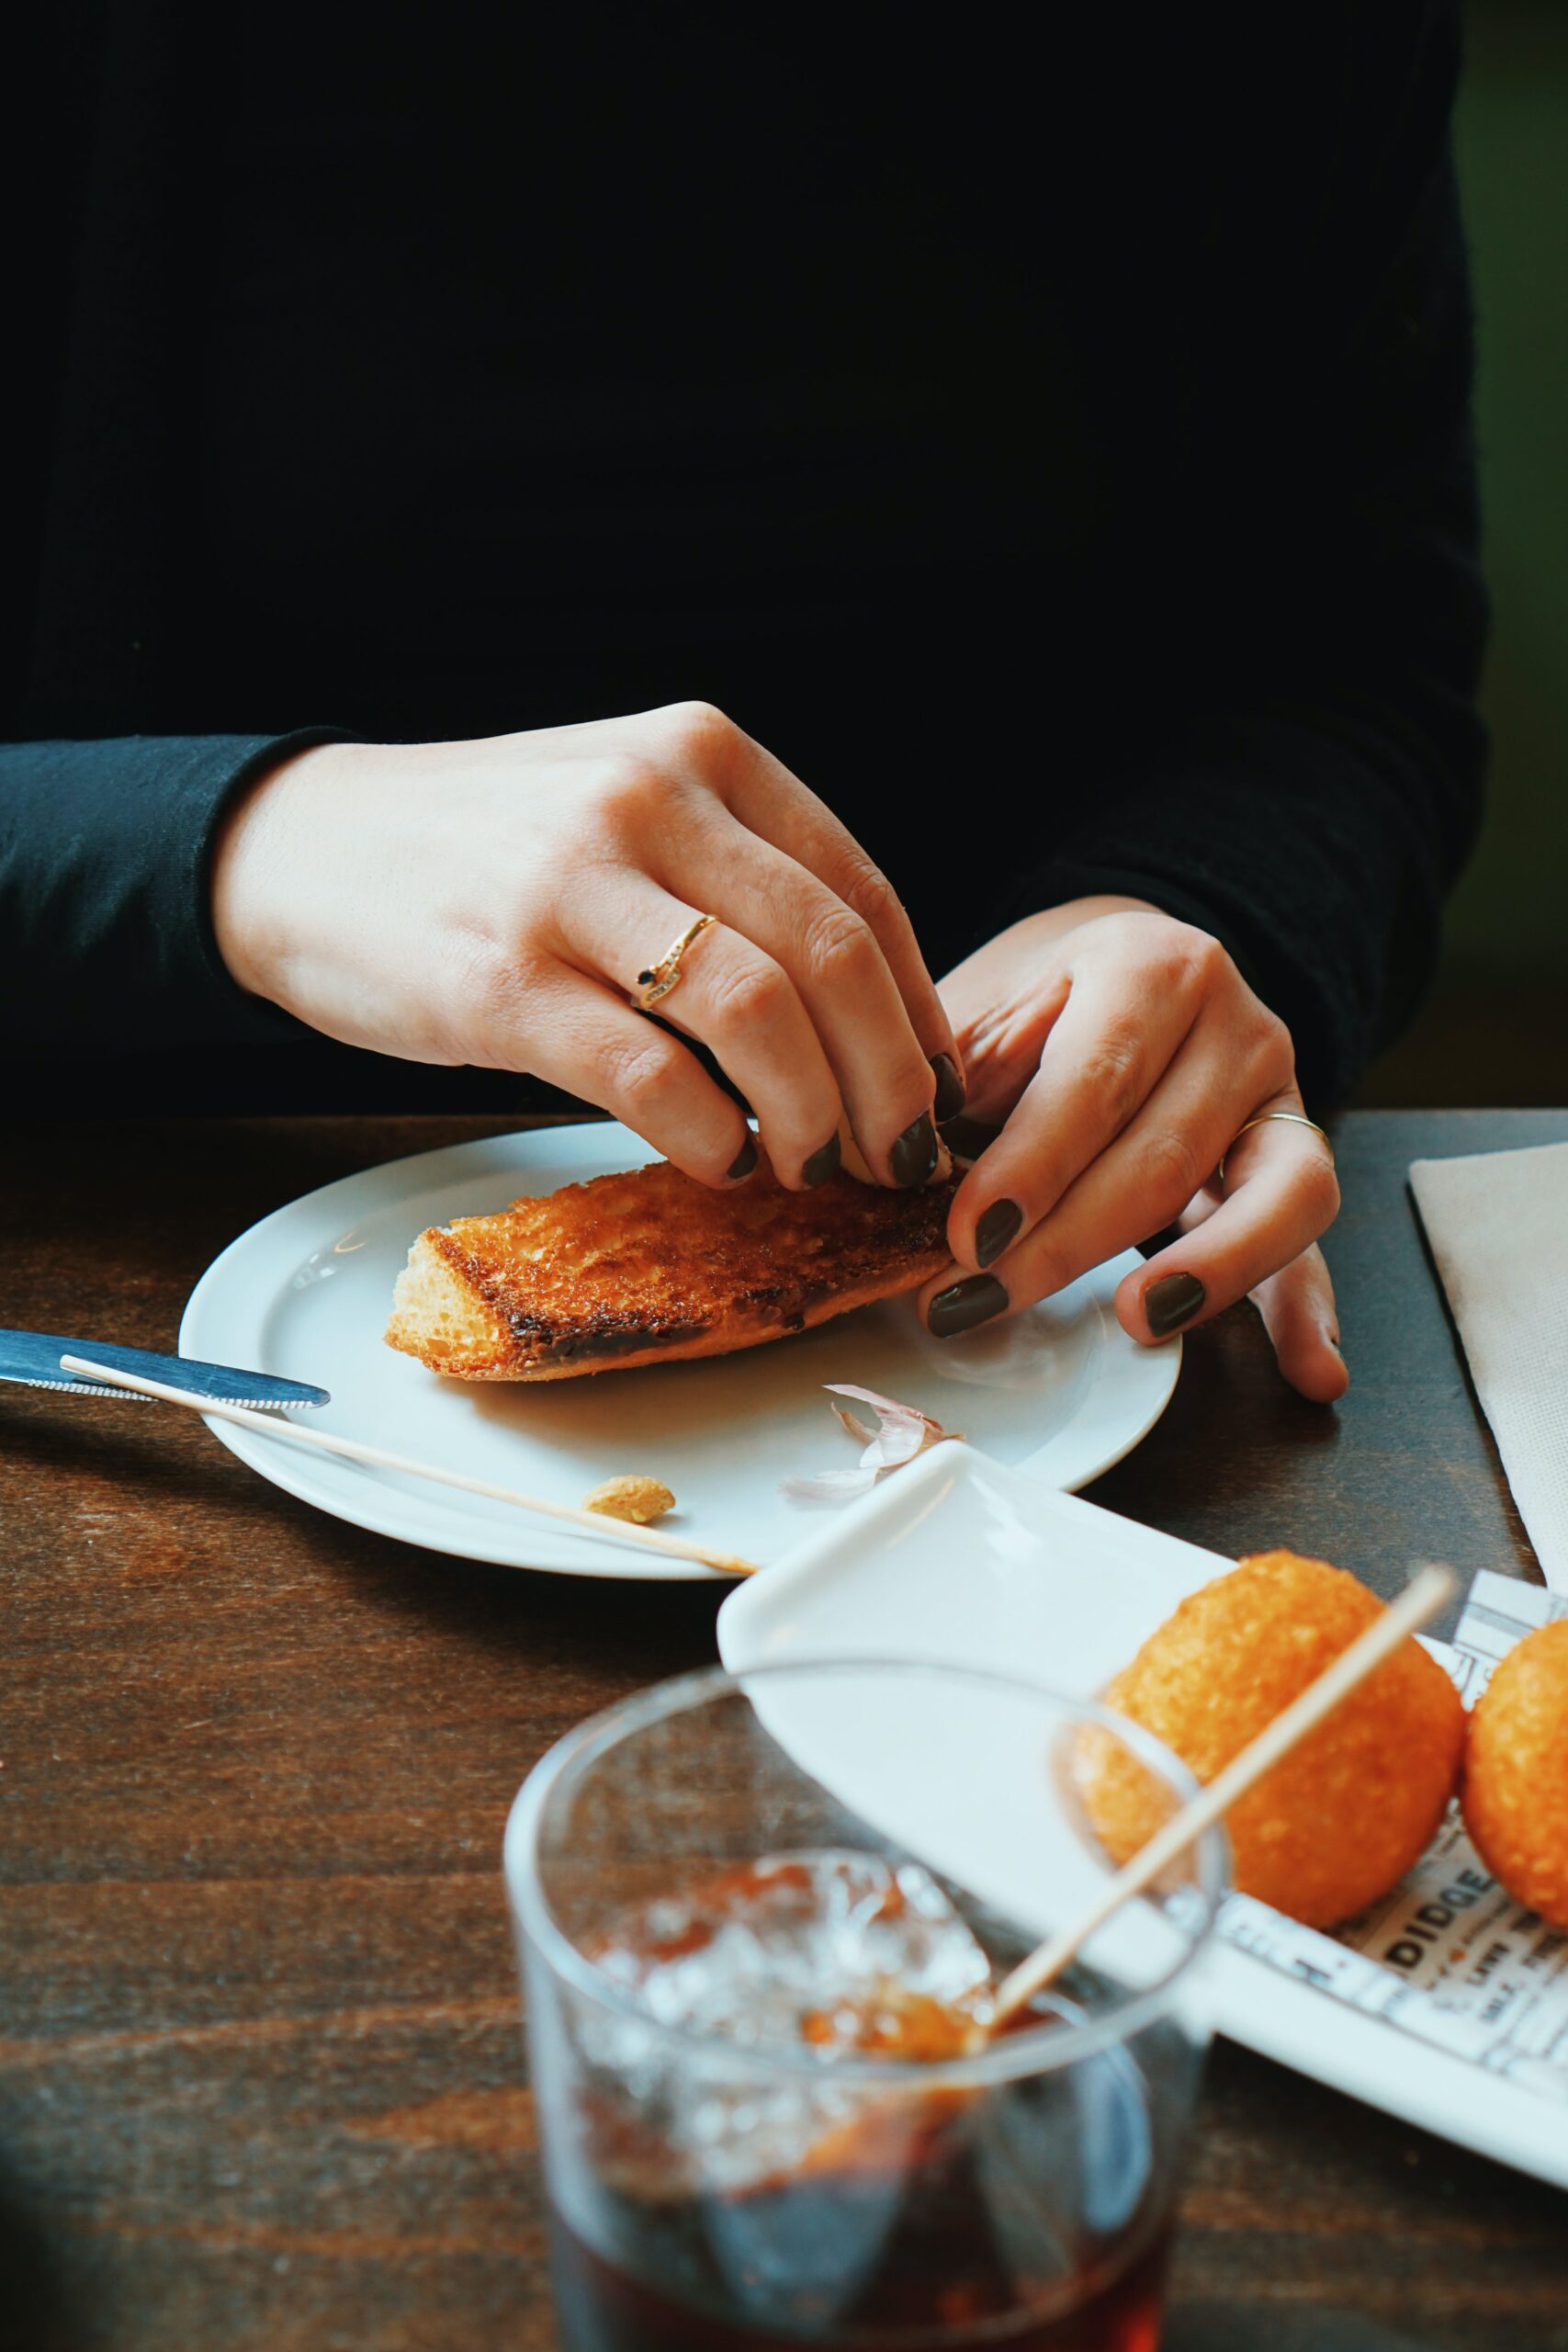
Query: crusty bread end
[
  {"x": 444, "y": 1321},
  {"x": 649, "y": 1267}
]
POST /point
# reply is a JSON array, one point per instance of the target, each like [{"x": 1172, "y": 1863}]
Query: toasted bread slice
[{"x": 650, "y": 1267}]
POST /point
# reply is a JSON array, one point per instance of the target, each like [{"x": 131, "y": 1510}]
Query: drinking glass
[{"x": 743, "y": 1906}]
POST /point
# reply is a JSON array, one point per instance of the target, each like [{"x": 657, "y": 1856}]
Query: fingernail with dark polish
[
  {"x": 1170, "y": 1301},
  {"x": 969, "y": 1138},
  {"x": 996, "y": 1230},
  {"x": 913, "y": 1157},
  {"x": 744, "y": 1161},
  {"x": 822, "y": 1164},
  {"x": 964, "y": 1305},
  {"x": 949, "y": 1088}
]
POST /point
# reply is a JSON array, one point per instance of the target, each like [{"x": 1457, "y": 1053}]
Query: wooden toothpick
[
  {"x": 1421, "y": 1601},
  {"x": 590, "y": 1522}
]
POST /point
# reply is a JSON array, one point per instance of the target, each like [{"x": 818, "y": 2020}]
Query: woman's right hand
[{"x": 492, "y": 903}]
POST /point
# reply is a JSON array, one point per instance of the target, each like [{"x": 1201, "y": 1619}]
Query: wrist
[{"x": 250, "y": 895}]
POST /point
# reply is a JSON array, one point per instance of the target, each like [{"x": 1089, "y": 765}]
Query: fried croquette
[
  {"x": 1339, "y": 1820},
  {"x": 1515, "y": 1773}
]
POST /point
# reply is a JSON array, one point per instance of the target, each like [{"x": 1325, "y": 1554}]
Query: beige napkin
[{"x": 1497, "y": 1222}]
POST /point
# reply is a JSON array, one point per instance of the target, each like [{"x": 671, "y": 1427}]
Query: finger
[
  {"x": 884, "y": 1074},
  {"x": 1299, "y": 1313},
  {"x": 598, "y": 1047},
  {"x": 773, "y": 804},
  {"x": 1298, "y": 1310},
  {"x": 1003, "y": 1001},
  {"x": 732, "y": 996},
  {"x": 1143, "y": 1182},
  {"x": 1111, "y": 1046},
  {"x": 1290, "y": 1196}
]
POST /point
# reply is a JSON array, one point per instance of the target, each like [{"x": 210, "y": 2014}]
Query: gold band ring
[
  {"x": 660, "y": 978},
  {"x": 1295, "y": 1118}
]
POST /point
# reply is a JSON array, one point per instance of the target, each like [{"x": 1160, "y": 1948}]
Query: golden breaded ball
[
  {"x": 1340, "y": 1819},
  {"x": 1515, "y": 1773}
]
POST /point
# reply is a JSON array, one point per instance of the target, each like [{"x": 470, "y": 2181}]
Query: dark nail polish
[
  {"x": 968, "y": 1138},
  {"x": 1172, "y": 1301},
  {"x": 964, "y": 1305},
  {"x": 913, "y": 1157},
  {"x": 822, "y": 1164},
  {"x": 949, "y": 1088},
  {"x": 744, "y": 1161},
  {"x": 996, "y": 1230}
]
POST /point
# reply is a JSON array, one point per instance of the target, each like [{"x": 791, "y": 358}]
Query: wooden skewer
[
  {"x": 1424, "y": 1597},
  {"x": 590, "y": 1522}
]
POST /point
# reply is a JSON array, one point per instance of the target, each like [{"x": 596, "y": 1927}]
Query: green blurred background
[{"x": 1495, "y": 1029}]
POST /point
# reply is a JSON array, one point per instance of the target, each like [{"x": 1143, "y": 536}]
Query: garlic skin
[{"x": 902, "y": 1432}]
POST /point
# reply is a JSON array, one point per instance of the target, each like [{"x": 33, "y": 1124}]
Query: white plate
[
  {"x": 1060, "y": 1392},
  {"x": 958, "y": 1559}
]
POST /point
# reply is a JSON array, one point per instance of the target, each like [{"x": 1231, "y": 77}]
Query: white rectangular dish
[{"x": 960, "y": 1559}]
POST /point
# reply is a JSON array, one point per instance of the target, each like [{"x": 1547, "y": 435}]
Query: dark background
[{"x": 1495, "y": 1029}]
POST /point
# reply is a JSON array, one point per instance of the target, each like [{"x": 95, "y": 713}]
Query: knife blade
[{"x": 33, "y": 1358}]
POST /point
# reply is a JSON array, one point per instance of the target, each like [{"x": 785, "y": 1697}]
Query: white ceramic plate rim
[{"x": 1128, "y": 1388}]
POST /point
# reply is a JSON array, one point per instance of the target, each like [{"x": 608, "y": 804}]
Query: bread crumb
[{"x": 638, "y": 1499}]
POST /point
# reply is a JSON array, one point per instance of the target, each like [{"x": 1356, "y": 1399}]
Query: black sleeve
[
  {"x": 1315, "y": 808},
  {"x": 105, "y": 930}
]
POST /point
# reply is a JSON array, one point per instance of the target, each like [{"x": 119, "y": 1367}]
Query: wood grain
[{"x": 261, "y": 2083}]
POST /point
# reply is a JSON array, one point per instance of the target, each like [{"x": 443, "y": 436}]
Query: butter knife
[{"x": 33, "y": 1359}]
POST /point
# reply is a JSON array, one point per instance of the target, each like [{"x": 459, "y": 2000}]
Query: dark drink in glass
[
  {"x": 603, "y": 2311},
  {"x": 769, "y": 2112}
]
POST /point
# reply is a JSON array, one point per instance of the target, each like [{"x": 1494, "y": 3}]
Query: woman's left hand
[{"x": 1124, "y": 1053}]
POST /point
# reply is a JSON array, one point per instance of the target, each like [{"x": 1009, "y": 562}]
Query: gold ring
[
  {"x": 660, "y": 978},
  {"x": 1295, "y": 1118}
]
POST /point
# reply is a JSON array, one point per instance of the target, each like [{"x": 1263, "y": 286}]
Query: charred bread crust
[{"x": 650, "y": 1267}]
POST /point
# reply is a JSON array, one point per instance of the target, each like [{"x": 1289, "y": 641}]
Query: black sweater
[{"x": 1065, "y": 465}]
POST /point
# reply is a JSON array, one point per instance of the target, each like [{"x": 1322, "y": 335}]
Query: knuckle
[
  {"x": 868, "y": 894},
  {"x": 1319, "y": 1189},
  {"x": 839, "y": 945},
  {"x": 746, "y": 993},
  {"x": 492, "y": 982},
  {"x": 1171, "y": 1171},
  {"x": 628, "y": 790},
  {"x": 1276, "y": 1048},
  {"x": 641, "y": 1076},
  {"x": 1200, "y": 959},
  {"x": 703, "y": 734},
  {"x": 1113, "y": 1072}
]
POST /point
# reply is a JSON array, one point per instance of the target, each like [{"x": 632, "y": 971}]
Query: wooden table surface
[{"x": 261, "y": 2087}]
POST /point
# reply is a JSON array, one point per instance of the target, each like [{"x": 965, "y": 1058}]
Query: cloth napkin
[{"x": 1497, "y": 1222}]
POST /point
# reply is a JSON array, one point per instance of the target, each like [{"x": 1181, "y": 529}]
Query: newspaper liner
[{"x": 1448, "y": 1957}]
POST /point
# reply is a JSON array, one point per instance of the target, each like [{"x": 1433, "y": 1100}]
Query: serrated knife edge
[
  {"x": 33, "y": 1359},
  {"x": 102, "y": 1389}
]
